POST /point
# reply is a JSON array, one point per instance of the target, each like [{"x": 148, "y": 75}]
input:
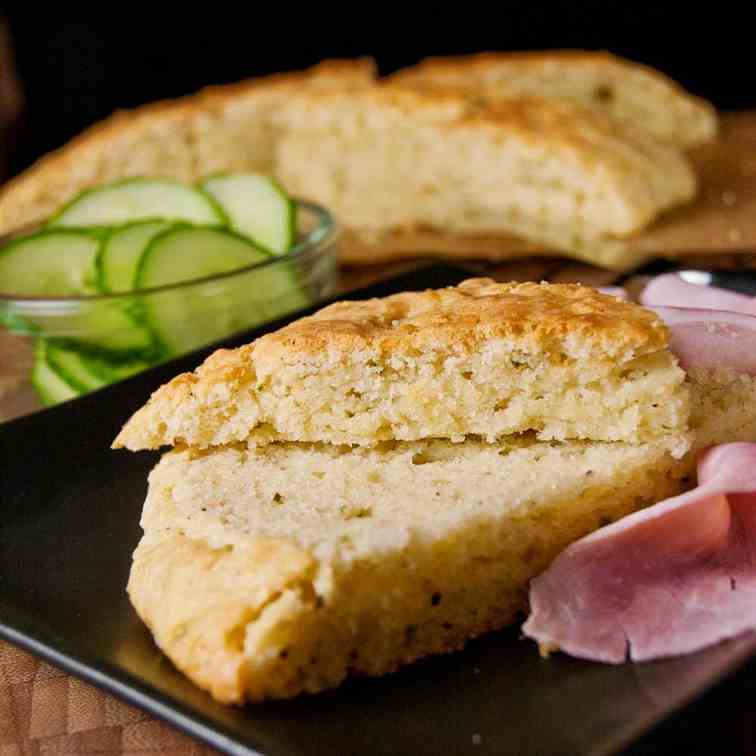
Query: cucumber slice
[
  {"x": 115, "y": 371},
  {"x": 138, "y": 199},
  {"x": 188, "y": 317},
  {"x": 112, "y": 326},
  {"x": 88, "y": 372},
  {"x": 71, "y": 366},
  {"x": 55, "y": 263},
  {"x": 119, "y": 257},
  {"x": 49, "y": 385},
  {"x": 103, "y": 367},
  {"x": 61, "y": 263},
  {"x": 256, "y": 207}
]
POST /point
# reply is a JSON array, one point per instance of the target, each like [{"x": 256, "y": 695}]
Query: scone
[
  {"x": 273, "y": 571},
  {"x": 482, "y": 358},
  {"x": 274, "y": 565},
  {"x": 625, "y": 91},
  {"x": 270, "y": 571},
  {"x": 395, "y": 158}
]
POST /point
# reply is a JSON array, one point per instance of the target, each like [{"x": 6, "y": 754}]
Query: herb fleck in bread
[
  {"x": 625, "y": 91},
  {"x": 481, "y": 359},
  {"x": 390, "y": 159}
]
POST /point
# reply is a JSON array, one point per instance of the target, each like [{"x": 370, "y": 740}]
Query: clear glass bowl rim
[{"x": 319, "y": 238}]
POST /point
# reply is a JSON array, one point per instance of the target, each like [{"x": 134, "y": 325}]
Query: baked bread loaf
[
  {"x": 625, "y": 91},
  {"x": 482, "y": 359},
  {"x": 270, "y": 571},
  {"x": 546, "y": 157},
  {"x": 221, "y": 128},
  {"x": 389, "y": 159}
]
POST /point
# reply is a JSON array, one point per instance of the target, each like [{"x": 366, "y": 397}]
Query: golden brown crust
[
  {"x": 461, "y": 318},
  {"x": 601, "y": 75},
  {"x": 485, "y": 62},
  {"x": 455, "y": 319},
  {"x": 531, "y": 117}
]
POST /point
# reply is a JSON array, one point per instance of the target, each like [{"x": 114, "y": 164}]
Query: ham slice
[
  {"x": 711, "y": 338},
  {"x": 664, "y": 581},
  {"x": 709, "y": 327},
  {"x": 670, "y": 290},
  {"x": 680, "y": 575}
]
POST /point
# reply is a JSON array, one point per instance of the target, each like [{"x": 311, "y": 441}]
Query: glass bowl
[{"x": 53, "y": 349}]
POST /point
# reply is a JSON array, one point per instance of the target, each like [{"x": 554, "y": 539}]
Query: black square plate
[{"x": 69, "y": 513}]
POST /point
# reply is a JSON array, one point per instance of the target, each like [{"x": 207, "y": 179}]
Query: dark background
[
  {"x": 75, "y": 70},
  {"x": 78, "y": 68}
]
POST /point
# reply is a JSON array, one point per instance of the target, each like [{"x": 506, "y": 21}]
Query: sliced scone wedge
[
  {"x": 480, "y": 359},
  {"x": 395, "y": 158},
  {"x": 268, "y": 572}
]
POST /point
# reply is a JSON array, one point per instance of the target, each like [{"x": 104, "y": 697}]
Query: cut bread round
[
  {"x": 268, "y": 572},
  {"x": 481, "y": 359},
  {"x": 445, "y": 149}
]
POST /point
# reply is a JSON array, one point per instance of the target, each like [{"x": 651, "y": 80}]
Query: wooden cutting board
[{"x": 717, "y": 230}]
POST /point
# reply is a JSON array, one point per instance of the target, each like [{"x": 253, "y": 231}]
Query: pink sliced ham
[
  {"x": 711, "y": 338},
  {"x": 680, "y": 575},
  {"x": 667, "y": 580},
  {"x": 670, "y": 290},
  {"x": 709, "y": 327}
]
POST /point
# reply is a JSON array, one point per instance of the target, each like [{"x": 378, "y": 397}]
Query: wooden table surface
[{"x": 45, "y": 711}]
